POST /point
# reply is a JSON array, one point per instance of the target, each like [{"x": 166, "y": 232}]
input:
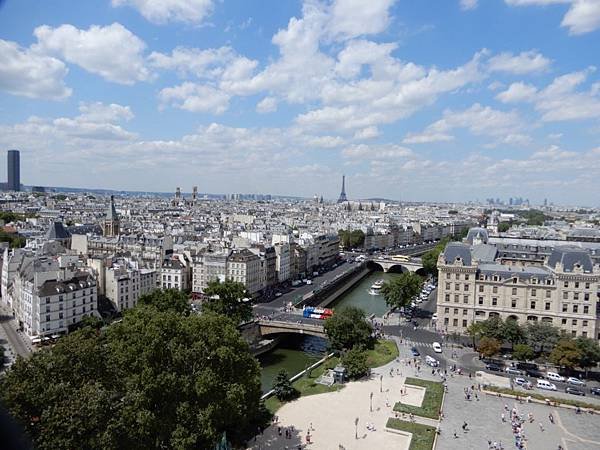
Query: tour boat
[{"x": 376, "y": 287}]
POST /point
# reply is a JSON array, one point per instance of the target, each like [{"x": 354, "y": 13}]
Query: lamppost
[
  {"x": 356, "y": 428},
  {"x": 371, "y": 402},
  {"x": 380, "y": 383}
]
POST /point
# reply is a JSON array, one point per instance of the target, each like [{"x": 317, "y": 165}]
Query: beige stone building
[{"x": 474, "y": 286}]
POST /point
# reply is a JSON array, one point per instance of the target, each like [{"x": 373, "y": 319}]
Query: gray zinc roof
[
  {"x": 57, "y": 231},
  {"x": 455, "y": 250},
  {"x": 570, "y": 257}
]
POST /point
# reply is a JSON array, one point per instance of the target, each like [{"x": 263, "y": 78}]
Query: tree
[
  {"x": 513, "y": 332},
  {"x": 355, "y": 362},
  {"x": 541, "y": 336},
  {"x": 283, "y": 388},
  {"x": 566, "y": 354},
  {"x": 503, "y": 227},
  {"x": 493, "y": 328},
  {"x": 589, "y": 352},
  {"x": 475, "y": 330},
  {"x": 489, "y": 347},
  {"x": 351, "y": 239},
  {"x": 400, "y": 291},
  {"x": 348, "y": 328},
  {"x": 523, "y": 352},
  {"x": 157, "y": 379},
  {"x": 430, "y": 258},
  {"x": 227, "y": 298},
  {"x": 166, "y": 300}
]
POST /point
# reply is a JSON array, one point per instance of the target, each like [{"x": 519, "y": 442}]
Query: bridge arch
[
  {"x": 372, "y": 265},
  {"x": 397, "y": 268}
]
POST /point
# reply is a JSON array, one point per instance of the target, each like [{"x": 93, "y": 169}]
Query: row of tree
[
  {"x": 351, "y": 239},
  {"x": 533, "y": 339},
  {"x": 160, "y": 378}
]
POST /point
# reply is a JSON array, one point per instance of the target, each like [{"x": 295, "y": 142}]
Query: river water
[{"x": 296, "y": 352}]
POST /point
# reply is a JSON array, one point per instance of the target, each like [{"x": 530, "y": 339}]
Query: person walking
[{"x": 541, "y": 427}]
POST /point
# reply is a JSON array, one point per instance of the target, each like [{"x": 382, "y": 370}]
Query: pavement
[{"x": 13, "y": 339}]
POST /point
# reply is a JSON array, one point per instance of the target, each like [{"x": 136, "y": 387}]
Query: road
[{"x": 15, "y": 340}]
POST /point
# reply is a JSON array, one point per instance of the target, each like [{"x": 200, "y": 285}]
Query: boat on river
[{"x": 376, "y": 287}]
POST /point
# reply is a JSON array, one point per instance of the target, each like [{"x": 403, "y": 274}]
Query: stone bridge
[
  {"x": 301, "y": 326},
  {"x": 387, "y": 263}
]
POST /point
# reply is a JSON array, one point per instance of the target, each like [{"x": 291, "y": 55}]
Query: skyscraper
[
  {"x": 343, "y": 197},
  {"x": 14, "y": 170}
]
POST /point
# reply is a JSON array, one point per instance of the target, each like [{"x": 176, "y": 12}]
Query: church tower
[{"x": 110, "y": 226}]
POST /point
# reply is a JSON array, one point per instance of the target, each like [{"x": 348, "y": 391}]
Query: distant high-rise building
[
  {"x": 194, "y": 194},
  {"x": 14, "y": 171},
  {"x": 343, "y": 197}
]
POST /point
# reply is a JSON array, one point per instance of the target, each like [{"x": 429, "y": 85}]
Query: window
[
  {"x": 465, "y": 299},
  {"x": 445, "y": 321},
  {"x": 585, "y": 323},
  {"x": 565, "y": 295},
  {"x": 495, "y": 289},
  {"x": 574, "y": 321},
  {"x": 586, "y": 297},
  {"x": 447, "y": 286},
  {"x": 466, "y": 277},
  {"x": 573, "y": 333},
  {"x": 447, "y": 297},
  {"x": 584, "y": 333},
  {"x": 547, "y": 306},
  {"x": 456, "y": 298},
  {"x": 456, "y": 287},
  {"x": 47, "y": 300},
  {"x": 513, "y": 303},
  {"x": 47, "y": 309},
  {"x": 494, "y": 301},
  {"x": 587, "y": 285},
  {"x": 464, "y": 323},
  {"x": 566, "y": 284},
  {"x": 455, "y": 322},
  {"x": 514, "y": 291},
  {"x": 514, "y": 280},
  {"x": 455, "y": 311},
  {"x": 533, "y": 292},
  {"x": 464, "y": 312},
  {"x": 548, "y": 294},
  {"x": 586, "y": 309},
  {"x": 446, "y": 310},
  {"x": 457, "y": 276},
  {"x": 480, "y": 288},
  {"x": 564, "y": 321},
  {"x": 565, "y": 307},
  {"x": 480, "y": 301},
  {"x": 60, "y": 315},
  {"x": 532, "y": 304},
  {"x": 466, "y": 287},
  {"x": 47, "y": 317},
  {"x": 577, "y": 285},
  {"x": 575, "y": 295},
  {"x": 447, "y": 276},
  {"x": 575, "y": 308}
]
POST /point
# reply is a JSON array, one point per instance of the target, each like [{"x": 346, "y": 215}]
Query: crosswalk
[{"x": 411, "y": 343}]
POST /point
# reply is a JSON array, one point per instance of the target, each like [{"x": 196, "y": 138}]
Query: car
[
  {"x": 575, "y": 381},
  {"x": 574, "y": 391},
  {"x": 554, "y": 376},
  {"x": 527, "y": 366},
  {"x": 545, "y": 384},
  {"x": 493, "y": 367},
  {"x": 437, "y": 347},
  {"x": 535, "y": 373},
  {"x": 512, "y": 371},
  {"x": 434, "y": 316},
  {"x": 430, "y": 361},
  {"x": 415, "y": 351},
  {"x": 595, "y": 390}
]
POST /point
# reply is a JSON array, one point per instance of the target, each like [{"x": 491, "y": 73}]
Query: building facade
[{"x": 14, "y": 170}]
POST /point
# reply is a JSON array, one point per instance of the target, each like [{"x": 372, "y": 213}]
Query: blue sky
[{"x": 431, "y": 100}]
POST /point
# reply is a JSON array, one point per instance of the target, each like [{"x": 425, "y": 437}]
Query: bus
[{"x": 401, "y": 258}]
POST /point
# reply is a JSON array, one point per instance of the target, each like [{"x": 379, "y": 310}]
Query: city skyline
[{"x": 414, "y": 101}]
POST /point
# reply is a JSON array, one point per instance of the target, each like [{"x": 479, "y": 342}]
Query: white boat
[{"x": 376, "y": 287}]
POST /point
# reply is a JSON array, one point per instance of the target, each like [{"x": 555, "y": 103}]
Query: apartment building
[
  {"x": 209, "y": 267},
  {"x": 474, "y": 286},
  {"x": 244, "y": 267},
  {"x": 173, "y": 274},
  {"x": 125, "y": 284}
]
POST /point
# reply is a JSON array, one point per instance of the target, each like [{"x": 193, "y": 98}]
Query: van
[
  {"x": 543, "y": 384},
  {"x": 554, "y": 376},
  {"x": 437, "y": 347}
]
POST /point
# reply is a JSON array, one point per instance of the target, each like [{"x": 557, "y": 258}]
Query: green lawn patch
[
  {"x": 422, "y": 435},
  {"x": 382, "y": 353},
  {"x": 432, "y": 402},
  {"x": 307, "y": 385},
  {"x": 543, "y": 397}
]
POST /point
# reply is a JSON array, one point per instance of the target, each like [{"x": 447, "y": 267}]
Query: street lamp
[
  {"x": 380, "y": 383},
  {"x": 371, "y": 402},
  {"x": 356, "y": 428}
]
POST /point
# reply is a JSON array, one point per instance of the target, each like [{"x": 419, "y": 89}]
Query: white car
[
  {"x": 543, "y": 384},
  {"x": 431, "y": 361},
  {"x": 575, "y": 381},
  {"x": 554, "y": 376},
  {"x": 434, "y": 317},
  {"x": 437, "y": 347}
]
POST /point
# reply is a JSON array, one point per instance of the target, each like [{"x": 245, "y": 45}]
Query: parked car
[
  {"x": 595, "y": 390},
  {"x": 525, "y": 384},
  {"x": 527, "y": 366},
  {"x": 574, "y": 391},
  {"x": 554, "y": 376},
  {"x": 493, "y": 367},
  {"x": 545, "y": 384},
  {"x": 431, "y": 361},
  {"x": 512, "y": 371},
  {"x": 535, "y": 373},
  {"x": 575, "y": 381},
  {"x": 437, "y": 347},
  {"x": 415, "y": 351}
]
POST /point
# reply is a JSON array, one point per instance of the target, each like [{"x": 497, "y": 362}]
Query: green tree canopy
[
  {"x": 523, "y": 352},
  {"x": 158, "y": 379},
  {"x": 475, "y": 330},
  {"x": 589, "y": 351},
  {"x": 430, "y": 258},
  {"x": 355, "y": 362},
  {"x": 400, "y": 291},
  {"x": 348, "y": 328},
  {"x": 283, "y": 388},
  {"x": 167, "y": 300},
  {"x": 542, "y": 336},
  {"x": 351, "y": 239},
  {"x": 489, "y": 347},
  {"x": 503, "y": 227},
  {"x": 493, "y": 328},
  {"x": 566, "y": 354},
  {"x": 513, "y": 332},
  {"x": 226, "y": 298}
]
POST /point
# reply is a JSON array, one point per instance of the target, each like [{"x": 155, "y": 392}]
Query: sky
[{"x": 429, "y": 100}]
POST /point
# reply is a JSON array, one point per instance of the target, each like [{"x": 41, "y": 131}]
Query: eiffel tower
[{"x": 343, "y": 197}]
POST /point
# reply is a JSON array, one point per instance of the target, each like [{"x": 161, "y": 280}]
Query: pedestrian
[
  {"x": 541, "y": 427},
  {"x": 455, "y": 435},
  {"x": 279, "y": 431}
]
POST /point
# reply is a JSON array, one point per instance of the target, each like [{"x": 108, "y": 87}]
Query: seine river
[{"x": 297, "y": 352}]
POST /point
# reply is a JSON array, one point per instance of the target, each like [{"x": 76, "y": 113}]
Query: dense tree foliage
[
  {"x": 565, "y": 354},
  {"x": 400, "y": 291},
  {"x": 227, "y": 298},
  {"x": 430, "y": 258},
  {"x": 355, "y": 362},
  {"x": 589, "y": 352},
  {"x": 15, "y": 240},
  {"x": 283, "y": 388},
  {"x": 533, "y": 217},
  {"x": 351, "y": 239},
  {"x": 348, "y": 328},
  {"x": 542, "y": 336},
  {"x": 160, "y": 378},
  {"x": 489, "y": 347},
  {"x": 523, "y": 352},
  {"x": 512, "y": 332},
  {"x": 503, "y": 227}
]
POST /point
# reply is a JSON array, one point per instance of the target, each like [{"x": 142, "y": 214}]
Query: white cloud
[
  {"x": 467, "y": 5},
  {"x": 517, "y": 92},
  {"x": 583, "y": 16},
  {"x": 426, "y": 137},
  {"x": 99, "y": 112},
  {"x": 207, "y": 63},
  {"x": 377, "y": 152},
  {"x": 195, "y": 98},
  {"x": 352, "y": 18},
  {"x": 27, "y": 73},
  {"x": 523, "y": 63},
  {"x": 267, "y": 105},
  {"x": 367, "y": 133},
  {"x": 162, "y": 11},
  {"x": 112, "y": 52}
]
